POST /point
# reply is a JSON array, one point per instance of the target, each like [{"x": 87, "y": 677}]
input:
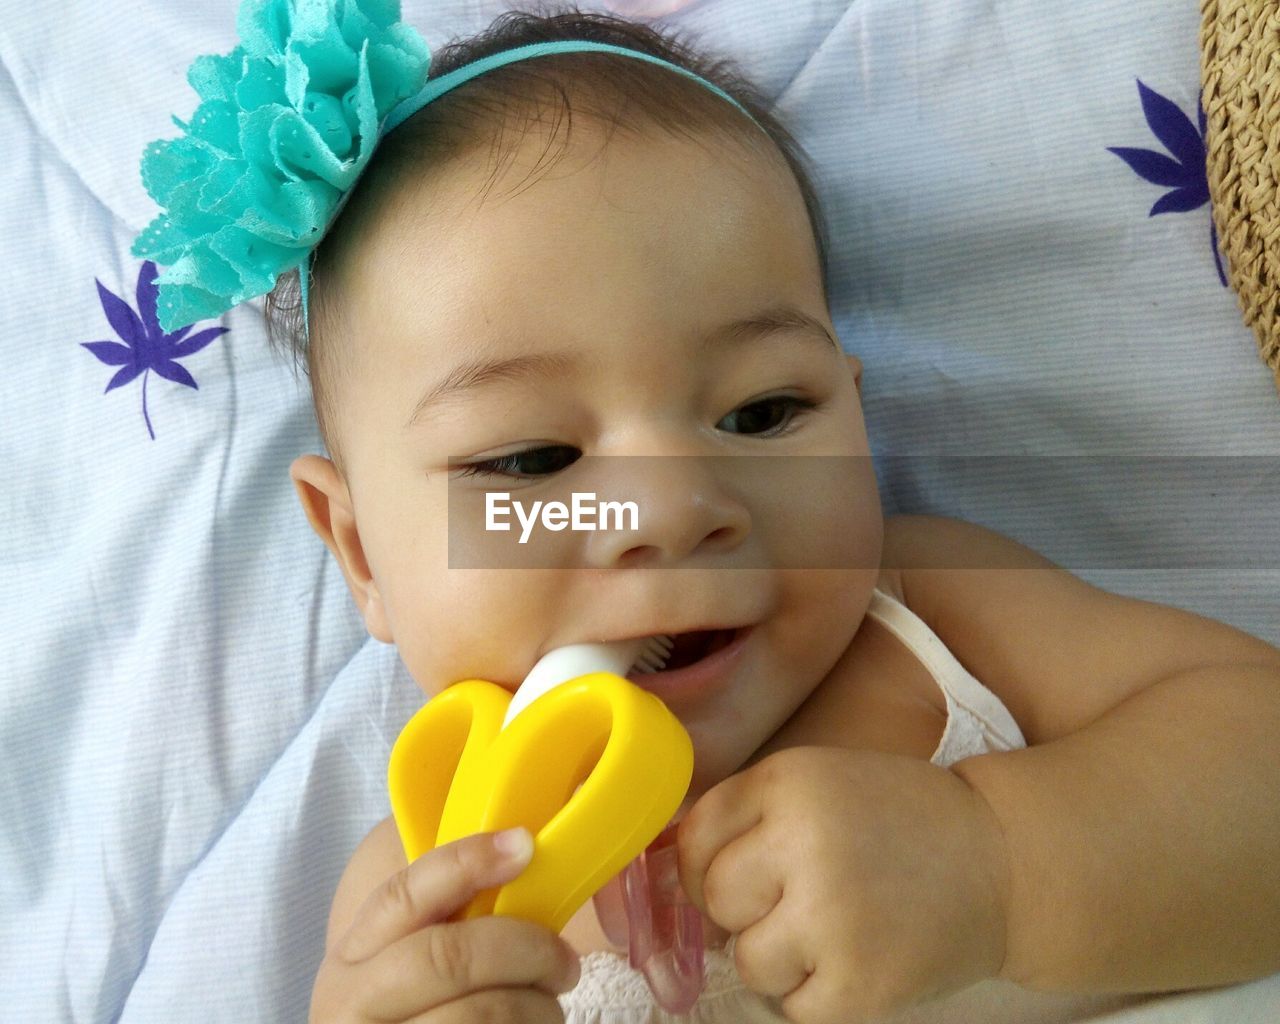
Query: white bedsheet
[{"x": 194, "y": 727}]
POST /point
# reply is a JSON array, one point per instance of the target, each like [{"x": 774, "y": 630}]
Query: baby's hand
[
  {"x": 402, "y": 959},
  {"x": 860, "y": 882}
]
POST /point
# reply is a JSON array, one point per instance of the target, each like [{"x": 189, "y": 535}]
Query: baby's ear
[
  {"x": 855, "y": 364},
  {"x": 327, "y": 503}
]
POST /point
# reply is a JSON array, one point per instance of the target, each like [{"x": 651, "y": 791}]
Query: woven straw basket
[{"x": 1240, "y": 77}]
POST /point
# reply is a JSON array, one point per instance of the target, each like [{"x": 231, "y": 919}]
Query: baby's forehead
[
  {"x": 483, "y": 180},
  {"x": 595, "y": 239}
]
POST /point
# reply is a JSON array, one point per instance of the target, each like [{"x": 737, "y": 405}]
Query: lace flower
[{"x": 287, "y": 122}]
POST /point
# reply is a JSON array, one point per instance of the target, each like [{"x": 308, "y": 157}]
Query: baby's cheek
[
  {"x": 720, "y": 746},
  {"x": 829, "y": 606},
  {"x": 429, "y": 673},
  {"x": 454, "y": 644}
]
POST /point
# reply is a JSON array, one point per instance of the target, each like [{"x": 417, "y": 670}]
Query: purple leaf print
[
  {"x": 110, "y": 352},
  {"x": 1180, "y": 200},
  {"x": 1173, "y": 128},
  {"x": 147, "y": 346},
  {"x": 1182, "y": 170},
  {"x": 1154, "y": 167},
  {"x": 123, "y": 320}
]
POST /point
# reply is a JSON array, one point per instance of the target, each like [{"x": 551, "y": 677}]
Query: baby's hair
[{"x": 619, "y": 91}]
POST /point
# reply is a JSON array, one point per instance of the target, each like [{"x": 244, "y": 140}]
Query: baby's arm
[{"x": 1140, "y": 826}]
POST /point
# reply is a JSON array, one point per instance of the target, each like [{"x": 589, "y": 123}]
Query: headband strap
[
  {"x": 288, "y": 121},
  {"x": 437, "y": 87}
]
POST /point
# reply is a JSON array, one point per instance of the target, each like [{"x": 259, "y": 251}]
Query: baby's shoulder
[
  {"x": 920, "y": 550},
  {"x": 1056, "y": 650},
  {"x": 917, "y": 541},
  {"x": 379, "y": 856}
]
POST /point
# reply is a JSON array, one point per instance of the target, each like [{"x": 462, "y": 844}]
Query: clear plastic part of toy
[{"x": 645, "y": 908}]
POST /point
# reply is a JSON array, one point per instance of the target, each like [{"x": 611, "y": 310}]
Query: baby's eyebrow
[{"x": 780, "y": 321}]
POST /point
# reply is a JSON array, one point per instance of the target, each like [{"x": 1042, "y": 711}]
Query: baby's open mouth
[{"x": 693, "y": 647}]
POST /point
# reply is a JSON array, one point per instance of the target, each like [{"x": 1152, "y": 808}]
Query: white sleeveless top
[{"x": 610, "y": 991}]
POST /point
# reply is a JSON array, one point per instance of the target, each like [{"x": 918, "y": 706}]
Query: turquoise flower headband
[{"x": 288, "y": 121}]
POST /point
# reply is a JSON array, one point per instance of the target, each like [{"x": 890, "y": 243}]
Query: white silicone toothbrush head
[{"x": 643, "y": 654}]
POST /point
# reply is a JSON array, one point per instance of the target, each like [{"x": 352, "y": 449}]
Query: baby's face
[{"x": 616, "y": 265}]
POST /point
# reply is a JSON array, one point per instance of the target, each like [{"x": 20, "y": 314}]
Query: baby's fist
[{"x": 859, "y": 882}]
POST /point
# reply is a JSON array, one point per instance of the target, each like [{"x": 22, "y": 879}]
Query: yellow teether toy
[{"x": 594, "y": 767}]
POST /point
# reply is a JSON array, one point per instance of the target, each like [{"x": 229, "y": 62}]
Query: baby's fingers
[
  {"x": 433, "y": 888},
  {"x": 445, "y": 964},
  {"x": 511, "y": 1005}
]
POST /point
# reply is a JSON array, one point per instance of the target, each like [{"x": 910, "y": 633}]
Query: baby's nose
[{"x": 683, "y": 505}]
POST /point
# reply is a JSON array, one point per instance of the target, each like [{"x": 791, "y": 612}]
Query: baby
[{"x": 940, "y": 766}]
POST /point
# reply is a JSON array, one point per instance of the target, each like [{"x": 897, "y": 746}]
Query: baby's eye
[
  {"x": 762, "y": 417},
  {"x": 769, "y": 416},
  {"x": 531, "y": 462}
]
